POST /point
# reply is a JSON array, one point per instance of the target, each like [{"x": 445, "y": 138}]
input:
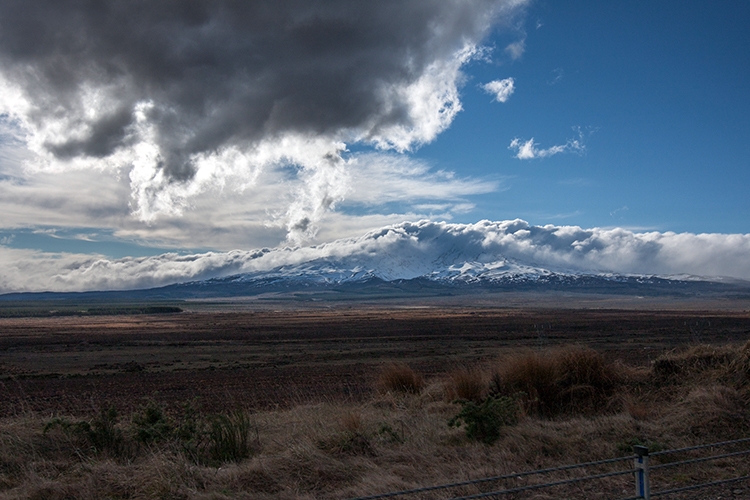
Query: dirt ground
[{"x": 264, "y": 359}]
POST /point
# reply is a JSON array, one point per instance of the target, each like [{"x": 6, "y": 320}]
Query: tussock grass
[
  {"x": 578, "y": 407},
  {"x": 694, "y": 361},
  {"x": 466, "y": 383},
  {"x": 569, "y": 380},
  {"x": 399, "y": 378}
]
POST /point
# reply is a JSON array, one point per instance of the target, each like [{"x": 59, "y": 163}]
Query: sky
[{"x": 149, "y": 133}]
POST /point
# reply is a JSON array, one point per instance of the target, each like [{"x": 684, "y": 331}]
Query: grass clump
[
  {"x": 230, "y": 437},
  {"x": 210, "y": 440},
  {"x": 465, "y": 384},
  {"x": 400, "y": 378},
  {"x": 560, "y": 381},
  {"x": 693, "y": 361},
  {"x": 354, "y": 440}
]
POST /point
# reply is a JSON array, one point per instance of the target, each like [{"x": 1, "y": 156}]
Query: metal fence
[{"x": 641, "y": 472}]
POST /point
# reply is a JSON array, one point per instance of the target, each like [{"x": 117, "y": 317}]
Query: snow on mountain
[
  {"x": 459, "y": 253},
  {"x": 466, "y": 253}
]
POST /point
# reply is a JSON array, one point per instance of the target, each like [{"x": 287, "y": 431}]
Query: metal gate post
[{"x": 642, "y": 486}]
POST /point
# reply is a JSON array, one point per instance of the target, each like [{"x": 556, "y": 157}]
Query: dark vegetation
[{"x": 52, "y": 309}]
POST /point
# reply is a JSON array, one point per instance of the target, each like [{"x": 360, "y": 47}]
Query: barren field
[{"x": 268, "y": 359}]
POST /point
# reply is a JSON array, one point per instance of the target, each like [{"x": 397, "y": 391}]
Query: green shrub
[
  {"x": 483, "y": 421},
  {"x": 152, "y": 424},
  {"x": 100, "y": 434}
]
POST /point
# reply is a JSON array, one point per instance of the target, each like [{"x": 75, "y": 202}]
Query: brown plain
[
  {"x": 265, "y": 359},
  {"x": 315, "y": 385}
]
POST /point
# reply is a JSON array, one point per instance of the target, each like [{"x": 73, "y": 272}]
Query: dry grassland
[{"x": 336, "y": 405}]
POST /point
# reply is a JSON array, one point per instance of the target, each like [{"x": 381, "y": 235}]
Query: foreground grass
[{"x": 569, "y": 406}]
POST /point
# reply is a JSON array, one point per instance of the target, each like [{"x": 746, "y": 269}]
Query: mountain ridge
[{"x": 434, "y": 257}]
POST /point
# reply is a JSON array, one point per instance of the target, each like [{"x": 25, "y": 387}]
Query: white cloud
[
  {"x": 501, "y": 89},
  {"x": 233, "y": 211},
  {"x": 404, "y": 251},
  {"x": 528, "y": 150},
  {"x": 516, "y": 49}
]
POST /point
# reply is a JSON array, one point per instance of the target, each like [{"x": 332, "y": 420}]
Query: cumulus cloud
[
  {"x": 405, "y": 250},
  {"x": 501, "y": 89},
  {"x": 529, "y": 150},
  {"x": 184, "y": 96}
]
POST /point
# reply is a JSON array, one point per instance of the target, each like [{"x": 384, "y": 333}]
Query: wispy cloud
[
  {"x": 529, "y": 150},
  {"x": 378, "y": 178},
  {"x": 501, "y": 89},
  {"x": 557, "y": 76},
  {"x": 516, "y": 49},
  {"x": 619, "y": 211}
]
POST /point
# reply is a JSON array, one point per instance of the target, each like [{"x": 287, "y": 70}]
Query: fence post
[{"x": 642, "y": 486}]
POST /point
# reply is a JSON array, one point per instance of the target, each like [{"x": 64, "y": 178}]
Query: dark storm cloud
[{"x": 223, "y": 73}]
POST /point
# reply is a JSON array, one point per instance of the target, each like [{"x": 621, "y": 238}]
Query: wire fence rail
[{"x": 641, "y": 472}]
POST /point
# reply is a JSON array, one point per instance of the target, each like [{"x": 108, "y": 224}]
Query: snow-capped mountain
[
  {"x": 482, "y": 253},
  {"x": 432, "y": 258},
  {"x": 435, "y": 255}
]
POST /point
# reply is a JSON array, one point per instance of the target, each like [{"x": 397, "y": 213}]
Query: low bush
[
  {"x": 483, "y": 421},
  {"x": 100, "y": 434},
  {"x": 531, "y": 374},
  {"x": 151, "y": 424},
  {"x": 740, "y": 365}
]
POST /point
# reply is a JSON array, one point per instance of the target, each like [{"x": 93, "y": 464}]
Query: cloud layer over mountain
[
  {"x": 406, "y": 250},
  {"x": 188, "y": 95}
]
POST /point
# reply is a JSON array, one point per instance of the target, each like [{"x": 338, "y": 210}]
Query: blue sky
[
  {"x": 637, "y": 113},
  {"x": 659, "y": 92}
]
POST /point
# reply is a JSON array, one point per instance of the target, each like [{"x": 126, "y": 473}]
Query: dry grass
[
  {"x": 399, "y": 378},
  {"x": 572, "y": 380},
  {"x": 468, "y": 384},
  {"x": 696, "y": 361},
  {"x": 400, "y": 438}
]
